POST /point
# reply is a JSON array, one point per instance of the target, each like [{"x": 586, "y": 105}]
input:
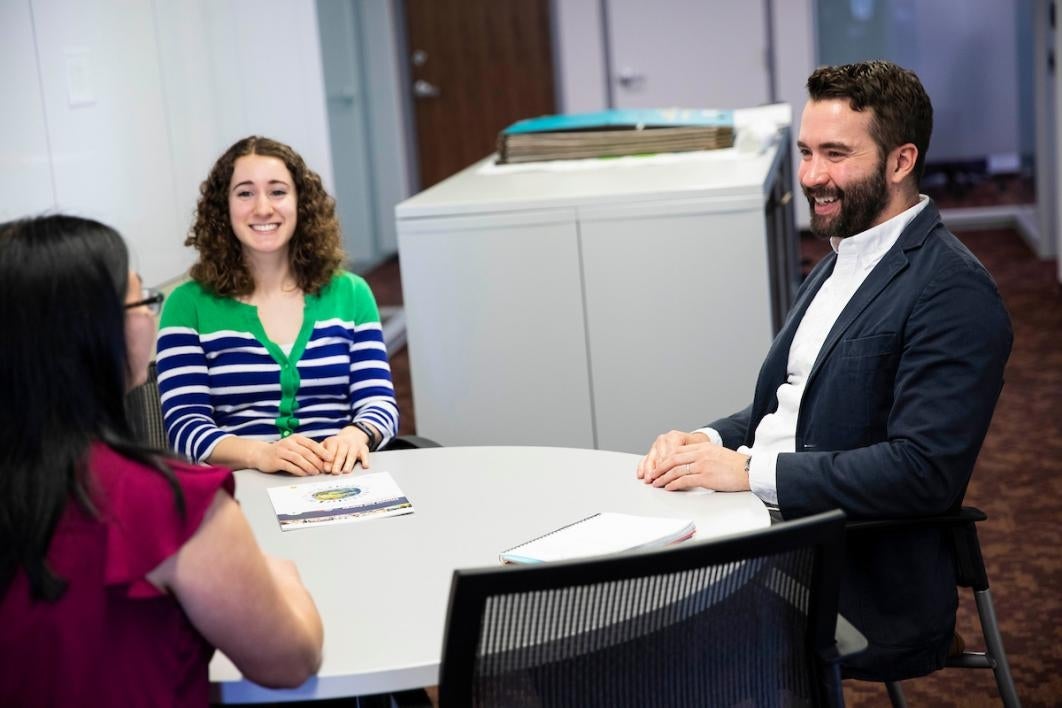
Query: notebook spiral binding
[{"x": 556, "y": 530}]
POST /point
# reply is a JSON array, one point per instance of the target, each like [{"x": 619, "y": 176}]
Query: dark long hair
[{"x": 63, "y": 374}]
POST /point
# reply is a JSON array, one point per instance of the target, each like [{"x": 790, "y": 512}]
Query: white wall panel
[
  {"x": 106, "y": 122},
  {"x": 237, "y": 68},
  {"x": 195, "y": 116},
  {"x": 277, "y": 76},
  {"x": 385, "y": 88},
  {"x": 118, "y": 108},
  {"x": 25, "y": 166}
]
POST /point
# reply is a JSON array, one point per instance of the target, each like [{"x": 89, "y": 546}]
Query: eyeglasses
[{"x": 149, "y": 298}]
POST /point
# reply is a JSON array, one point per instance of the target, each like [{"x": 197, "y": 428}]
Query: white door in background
[
  {"x": 338, "y": 23},
  {"x": 688, "y": 53}
]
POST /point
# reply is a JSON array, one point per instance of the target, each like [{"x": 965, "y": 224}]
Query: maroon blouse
[{"x": 113, "y": 638}]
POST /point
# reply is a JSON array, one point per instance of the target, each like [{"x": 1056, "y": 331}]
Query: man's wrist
[
  {"x": 762, "y": 474},
  {"x": 711, "y": 434}
]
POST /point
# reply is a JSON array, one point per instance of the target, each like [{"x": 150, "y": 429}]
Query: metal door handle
[
  {"x": 630, "y": 79},
  {"x": 425, "y": 89}
]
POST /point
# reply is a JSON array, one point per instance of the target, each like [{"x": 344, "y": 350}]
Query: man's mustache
[{"x": 823, "y": 193}]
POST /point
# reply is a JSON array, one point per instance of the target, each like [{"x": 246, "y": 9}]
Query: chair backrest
[
  {"x": 748, "y": 618},
  {"x": 144, "y": 410}
]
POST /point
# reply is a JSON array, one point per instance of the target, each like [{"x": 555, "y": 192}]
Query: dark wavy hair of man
[
  {"x": 902, "y": 111},
  {"x": 315, "y": 253},
  {"x": 63, "y": 375}
]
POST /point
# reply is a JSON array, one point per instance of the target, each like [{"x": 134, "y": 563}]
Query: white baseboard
[{"x": 1020, "y": 217}]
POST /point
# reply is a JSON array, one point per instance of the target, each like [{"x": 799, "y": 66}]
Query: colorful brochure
[{"x": 338, "y": 500}]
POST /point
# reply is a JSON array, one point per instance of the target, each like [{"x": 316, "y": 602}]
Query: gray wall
[{"x": 966, "y": 53}]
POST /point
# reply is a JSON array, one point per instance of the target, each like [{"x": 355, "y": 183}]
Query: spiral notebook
[{"x": 602, "y": 533}]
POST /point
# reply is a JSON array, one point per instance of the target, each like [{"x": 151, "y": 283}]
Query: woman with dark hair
[
  {"x": 120, "y": 570},
  {"x": 272, "y": 356}
]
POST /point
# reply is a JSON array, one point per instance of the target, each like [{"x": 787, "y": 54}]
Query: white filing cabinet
[{"x": 594, "y": 306}]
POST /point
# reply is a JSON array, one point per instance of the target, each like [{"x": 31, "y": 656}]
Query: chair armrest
[
  {"x": 961, "y": 525},
  {"x": 965, "y": 515}
]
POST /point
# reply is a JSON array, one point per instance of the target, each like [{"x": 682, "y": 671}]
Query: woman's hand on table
[
  {"x": 346, "y": 449},
  {"x": 295, "y": 454}
]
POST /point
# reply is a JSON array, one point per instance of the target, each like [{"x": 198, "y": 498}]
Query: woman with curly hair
[{"x": 272, "y": 356}]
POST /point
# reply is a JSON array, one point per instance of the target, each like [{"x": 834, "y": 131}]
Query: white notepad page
[{"x": 606, "y": 532}]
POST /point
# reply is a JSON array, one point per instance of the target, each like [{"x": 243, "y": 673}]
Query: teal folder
[{"x": 625, "y": 118}]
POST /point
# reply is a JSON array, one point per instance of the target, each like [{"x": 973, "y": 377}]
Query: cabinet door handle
[{"x": 786, "y": 198}]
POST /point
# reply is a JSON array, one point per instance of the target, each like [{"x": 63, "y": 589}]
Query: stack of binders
[{"x": 615, "y": 133}]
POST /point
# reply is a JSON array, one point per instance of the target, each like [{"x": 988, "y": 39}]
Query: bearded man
[{"x": 877, "y": 392}]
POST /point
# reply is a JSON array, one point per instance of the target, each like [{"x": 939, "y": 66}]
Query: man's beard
[{"x": 861, "y": 203}]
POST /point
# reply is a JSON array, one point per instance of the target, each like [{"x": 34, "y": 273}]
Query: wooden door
[{"x": 475, "y": 66}]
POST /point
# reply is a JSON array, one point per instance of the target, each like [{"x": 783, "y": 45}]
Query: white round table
[{"x": 382, "y": 585}]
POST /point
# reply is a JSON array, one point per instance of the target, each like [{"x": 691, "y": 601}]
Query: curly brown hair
[
  {"x": 902, "y": 111},
  {"x": 316, "y": 253}
]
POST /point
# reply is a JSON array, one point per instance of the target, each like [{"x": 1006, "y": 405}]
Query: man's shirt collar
[{"x": 869, "y": 246}]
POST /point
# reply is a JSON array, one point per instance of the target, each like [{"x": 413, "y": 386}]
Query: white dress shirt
[{"x": 856, "y": 257}]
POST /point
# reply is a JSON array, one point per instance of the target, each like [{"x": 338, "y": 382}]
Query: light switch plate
[{"x": 79, "y": 91}]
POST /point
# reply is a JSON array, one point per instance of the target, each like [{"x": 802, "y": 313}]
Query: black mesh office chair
[
  {"x": 144, "y": 411},
  {"x": 750, "y": 619},
  {"x": 971, "y": 573},
  {"x": 408, "y": 442}
]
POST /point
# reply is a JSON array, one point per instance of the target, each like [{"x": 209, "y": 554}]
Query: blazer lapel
[
  {"x": 881, "y": 276},
  {"x": 890, "y": 266},
  {"x": 775, "y": 364}
]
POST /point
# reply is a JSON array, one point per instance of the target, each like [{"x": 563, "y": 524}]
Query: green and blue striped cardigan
[{"x": 219, "y": 374}]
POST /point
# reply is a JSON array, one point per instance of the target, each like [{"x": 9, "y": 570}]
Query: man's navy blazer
[{"x": 892, "y": 418}]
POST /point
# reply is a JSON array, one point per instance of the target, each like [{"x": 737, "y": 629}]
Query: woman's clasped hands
[{"x": 302, "y": 456}]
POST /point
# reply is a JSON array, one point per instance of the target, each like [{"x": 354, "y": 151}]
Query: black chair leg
[
  {"x": 896, "y": 694},
  {"x": 833, "y": 687},
  {"x": 416, "y": 698},
  {"x": 994, "y": 644}
]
